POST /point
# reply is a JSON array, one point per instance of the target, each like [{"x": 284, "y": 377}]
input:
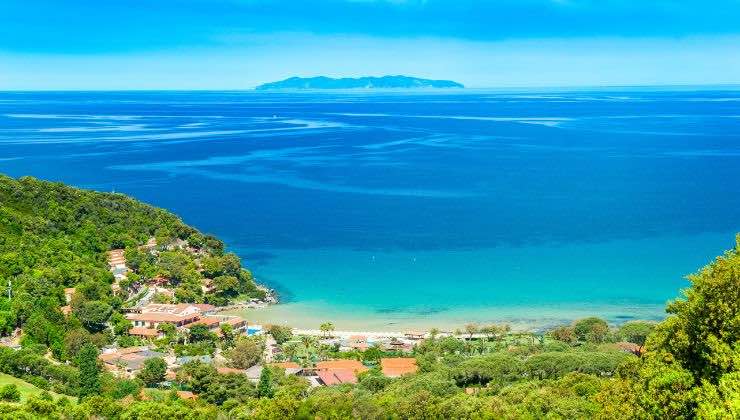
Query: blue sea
[{"x": 416, "y": 209}]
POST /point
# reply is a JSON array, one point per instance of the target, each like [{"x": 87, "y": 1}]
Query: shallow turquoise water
[
  {"x": 413, "y": 207},
  {"x": 526, "y": 286}
]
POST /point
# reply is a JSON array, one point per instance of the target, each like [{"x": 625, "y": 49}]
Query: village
[{"x": 151, "y": 323}]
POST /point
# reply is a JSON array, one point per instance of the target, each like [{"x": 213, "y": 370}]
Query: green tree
[
  {"x": 702, "y": 333},
  {"x": 199, "y": 333},
  {"x": 246, "y": 353},
  {"x": 564, "y": 333},
  {"x": 471, "y": 329},
  {"x": 212, "y": 266},
  {"x": 226, "y": 284},
  {"x": 87, "y": 360},
  {"x": 169, "y": 330},
  {"x": 121, "y": 325},
  {"x": 281, "y": 333},
  {"x": 153, "y": 372},
  {"x": 94, "y": 314},
  {"x": 74, "y": 341},
  {"x": 591, "y": 329},
  {"x": 227, "y": 335},
  {"x": 636, "y": 331},
  {"x": 264, "y": 386}
]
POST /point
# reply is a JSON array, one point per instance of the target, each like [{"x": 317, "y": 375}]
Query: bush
[{"x": 10, "y": 393}]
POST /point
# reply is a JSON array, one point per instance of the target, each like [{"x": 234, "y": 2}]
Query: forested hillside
[{"x": 54, "y": 237}]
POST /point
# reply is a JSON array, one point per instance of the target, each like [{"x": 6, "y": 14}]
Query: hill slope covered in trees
[{"x": 54, "y": 237}]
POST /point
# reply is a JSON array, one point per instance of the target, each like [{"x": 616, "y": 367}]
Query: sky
[{"x": 238, "y": 44}]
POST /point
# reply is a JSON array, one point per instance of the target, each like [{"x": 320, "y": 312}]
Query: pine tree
[
  {"x": 87, "y": 360},
  {"x": 264, "y": 388}
]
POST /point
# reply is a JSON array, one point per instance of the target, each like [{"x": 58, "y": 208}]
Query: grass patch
[{"x": 27, "y": 389}]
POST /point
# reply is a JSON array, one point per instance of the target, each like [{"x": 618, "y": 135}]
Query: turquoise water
[
  {"x": 527, "y": 286},
  {"x": 417, "y": 209}
]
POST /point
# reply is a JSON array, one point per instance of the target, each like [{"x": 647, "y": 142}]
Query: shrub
[{"x": 10, "y": 393}]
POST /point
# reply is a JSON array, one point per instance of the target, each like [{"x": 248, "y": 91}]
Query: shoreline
[{"x": 357, "y": 320}]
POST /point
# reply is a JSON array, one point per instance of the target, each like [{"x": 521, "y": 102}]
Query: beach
[{"x": 309, "y": 316}]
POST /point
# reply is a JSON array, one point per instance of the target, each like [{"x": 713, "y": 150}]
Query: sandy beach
[{"x": 364, "y": 321}]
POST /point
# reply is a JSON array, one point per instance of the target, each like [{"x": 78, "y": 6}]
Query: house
[
  {"x": 148, "y": 333},
  {"x": 393, "y": 367},
  {"x": 202, "y": 307},
  {"x": 398, "y": 345},
  {"x": 116, "y": 257},
  {"x": 414, "y": 335},
  {"x": 334, "y": 372},
  {"x": 227, "y": 370},
  {"x": 253, "y": 373},
  {"x": 628, "y": 347},
  {"x": 237, "y": 323},
  {"x": 346, "y": 364},
  {"x": 186, "y": 395},
  {"x": 291, "y": 368},
  {"x": 286, "y": 365},
  {"x": 337, "y": 376},
  {"x": 207, "y": 286},
  {"x": 210, "y": 322},
  {"x": 127, "y": 361},
  {"x": 152, "y": 320},
  {"x": 357, "y": 342},
  {"x": 180, "y": 315}
]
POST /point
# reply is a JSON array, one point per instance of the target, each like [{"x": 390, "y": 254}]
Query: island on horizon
[{"x": 367, "y": 82}]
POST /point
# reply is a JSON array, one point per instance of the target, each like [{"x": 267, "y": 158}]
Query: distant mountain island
[{"x": 385, "y": 82}]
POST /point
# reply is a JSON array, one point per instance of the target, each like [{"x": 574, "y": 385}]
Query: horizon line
[{"x": 666, "y": 86}]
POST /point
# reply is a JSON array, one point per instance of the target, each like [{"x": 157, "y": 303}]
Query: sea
[{"x": 391, "y": 210}]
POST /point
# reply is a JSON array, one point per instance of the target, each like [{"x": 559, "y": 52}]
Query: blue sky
[{"x": 232, "y": 44}]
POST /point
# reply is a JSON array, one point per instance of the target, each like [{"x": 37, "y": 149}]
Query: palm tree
[
  {"x": 326, "y": 328},
  {"x": 290, "y": 350},
  {"x": 307, "y": 341}
]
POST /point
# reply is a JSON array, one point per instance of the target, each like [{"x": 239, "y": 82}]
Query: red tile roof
[
  {"x": 144, "y": 332},
  {"x": 225, "y": 370},
  {"x": 208, "y": 322},
  {"x": 161, "y": 317},
  {"x": 120, "y": 352},
  {"x": 397, "y": 366},
  {"x": 286, "y": 365},
  {"x": 337, "y": 376},
  {"x": 186, "y": 395},
  {"x": 352, "y": 365},
  {"x": 234, "y": 321}
]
